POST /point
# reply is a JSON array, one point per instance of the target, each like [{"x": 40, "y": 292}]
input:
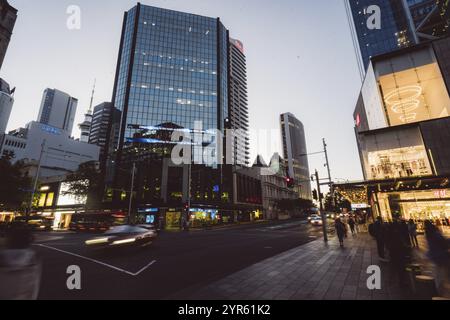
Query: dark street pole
[
  {"x": 329, "y": 172},
  {"x": 131, "y": 192},
  {"x": 322, "y": 211}
]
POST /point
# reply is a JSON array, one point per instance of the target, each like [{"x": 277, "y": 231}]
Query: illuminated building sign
[
  {"x": 238, "y": 44},
  {"x": 51, "y": 130},
  {"x": 440, "y": 193},
  {"x": 358, "y": 120}
]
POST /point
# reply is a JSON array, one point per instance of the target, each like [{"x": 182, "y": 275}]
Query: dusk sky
[{"x": 300, "y": 59}]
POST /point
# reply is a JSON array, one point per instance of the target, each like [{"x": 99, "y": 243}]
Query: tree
[
  {"x": 15, "y": 185},
  {"x": 340, "y": 202},
  {"x": 85, "y": 183}
]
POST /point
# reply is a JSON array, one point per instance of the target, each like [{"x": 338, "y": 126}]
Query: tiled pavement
[{"x": 315, "y": 271}]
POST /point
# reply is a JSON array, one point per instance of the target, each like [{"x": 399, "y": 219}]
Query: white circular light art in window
[{"x": 404, "y": 101}]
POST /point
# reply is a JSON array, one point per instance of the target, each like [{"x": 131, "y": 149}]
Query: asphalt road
[{"x": 174, "y": 267}]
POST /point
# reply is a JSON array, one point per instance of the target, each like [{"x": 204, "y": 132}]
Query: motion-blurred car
[
  {"x": 123, "y": 236},
  {"x": 317, "y": 222},
  {"x": 331, "y": 216},
  {"x": 36, "y": 223}
]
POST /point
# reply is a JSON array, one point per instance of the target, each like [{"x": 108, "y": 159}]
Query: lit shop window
[
  {"x": 413, "y": 89},
  {"x": 397, "y": 154},
  {"x": 399, "y": 163}
]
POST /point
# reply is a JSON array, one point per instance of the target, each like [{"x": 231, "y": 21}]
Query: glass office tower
[
  {"x": 397, "y": 30},
  {"x": 172, "y": 68},
  {"x": 403, "y": 23}
]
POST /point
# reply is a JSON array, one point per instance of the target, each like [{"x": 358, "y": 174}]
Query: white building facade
[{"x": 60, "y": 153}]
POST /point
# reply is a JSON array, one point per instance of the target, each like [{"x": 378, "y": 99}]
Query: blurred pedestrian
[
  {"x": 412, "y": 230},
  {"x": 398, "y": 249},
  {"x": 438, "y": 224},
  {"x": 340, "y": 231},
  {"x": 438, "y": 253},
  {"x": 20, "y": 268},
  {"x": 352, "y": 224},
  {"x": 378, "y": 231}
]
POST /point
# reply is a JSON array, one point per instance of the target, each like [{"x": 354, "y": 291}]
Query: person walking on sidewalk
[
  {"x": 439, "y": 254},
  {"x": 398, "y": 246},
  {"x": 352, "y": 224},
  {"x": 340, "y": 231},
  {"x": 378, "y": 231},
  {"x": 412, "y": 230}
]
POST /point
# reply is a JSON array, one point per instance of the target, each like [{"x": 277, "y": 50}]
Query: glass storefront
[
  {"x": 397, "y": 154},
  {"x": 62, "y": 220},
  {"x": 173, "y": 220},
  {"x": 6, "y": 217},
  {"x": 416, "y": 205},
  {"x": 201, "y": 218}
]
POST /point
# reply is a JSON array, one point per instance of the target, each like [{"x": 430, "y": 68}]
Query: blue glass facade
[
  {"x": 396, "y": 28},
  {"x": 173, "y": 69}
]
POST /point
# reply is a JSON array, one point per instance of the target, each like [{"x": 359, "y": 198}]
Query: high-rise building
[
  {"x": 431, "y": 18},
  {"x": 295, "y": 154},
  {"x": 8, "y": 16},
  {"x": 58, "y": 110},
  {"x": 172, "y": 68},
  {"x": 403, "y": 23},
  {"x": 100, "y": 126},
  {"x": 240, "y": 147},
  {"x": 6, "y": 104}
]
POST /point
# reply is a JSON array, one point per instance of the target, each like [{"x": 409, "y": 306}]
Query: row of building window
[{"x": 15, "y": 144}]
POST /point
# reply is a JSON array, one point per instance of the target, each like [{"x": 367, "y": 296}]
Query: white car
[
  {"x": 317, "y": 221},
  {"x": 313, "y": 216}
]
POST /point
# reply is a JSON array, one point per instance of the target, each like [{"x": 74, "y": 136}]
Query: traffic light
[
  {"x": 290, "y": 182},
  {"x": 315, "y": 195}
]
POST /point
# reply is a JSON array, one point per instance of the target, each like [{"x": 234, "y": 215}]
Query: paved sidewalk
[{"x": 314, "y": 271}]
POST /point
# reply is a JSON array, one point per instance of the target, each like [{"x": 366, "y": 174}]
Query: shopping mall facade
[{"x": 402, "y": 126}]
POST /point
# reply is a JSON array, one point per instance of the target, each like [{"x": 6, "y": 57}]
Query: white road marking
[{"x": 133, "y": 274}]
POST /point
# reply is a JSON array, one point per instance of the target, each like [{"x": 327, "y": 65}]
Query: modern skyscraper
[
  {"x": 8, "y": 16},
  {"x": 6, "y": 103},
  {"x": 172, "y": 68},
  {"x": 403, "y": 23},
  {"x": 100, "y": 126},
  {"x": 58, "y": 110},
  {"x": 239, "y": 103},
  {"x": 431, "y": 18},
  {"x": 295, "y": 153}
]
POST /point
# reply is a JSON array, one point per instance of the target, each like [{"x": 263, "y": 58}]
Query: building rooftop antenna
[{"x": 92, "y": 97}]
